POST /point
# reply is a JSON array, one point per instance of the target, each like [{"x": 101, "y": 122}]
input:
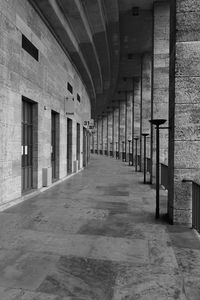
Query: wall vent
[
  {"x": 70, "y": 88},
  {"x": 30, "y": 48},
  {"x": 78, "y": 98}
]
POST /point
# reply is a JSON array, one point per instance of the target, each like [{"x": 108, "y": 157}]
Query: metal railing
[
  {"x": 139, "y": 160},
  {"x": 117, "y": 154},
  {"x": 164, "y": 176},
  {"x": 148, "y": 165},
  {"x": 130, "y": 157},
  {"x": 196, "y": 206}
]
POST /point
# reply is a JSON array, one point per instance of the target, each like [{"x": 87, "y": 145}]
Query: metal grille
[
  {"x": 148, "y": 165},
  {"x": 164, "y": 176},
  {"x": 196, "y": 206}
]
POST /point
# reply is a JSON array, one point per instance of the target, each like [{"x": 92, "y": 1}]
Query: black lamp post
[
  {"x": 145, "y": 136},
  {"x": 136, "y": 158},
  {"x": 157, "y": 123}
]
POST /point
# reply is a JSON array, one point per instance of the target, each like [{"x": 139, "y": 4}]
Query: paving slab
[{"x": 95, "y": 237}]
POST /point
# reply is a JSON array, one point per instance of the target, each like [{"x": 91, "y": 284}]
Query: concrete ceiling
[{"x": 98, "y": 35}]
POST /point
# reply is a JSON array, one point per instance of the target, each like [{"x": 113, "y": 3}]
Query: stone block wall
[
  {"x": 184, "y": 142},
  {"x": 45, "y": 83}
]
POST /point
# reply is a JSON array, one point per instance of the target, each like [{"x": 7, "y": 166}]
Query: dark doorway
[
  {"x": 78, "y": 144},
  {"x": 27, "y": 145},
  {"x": 55, "y": 145},
  {"x": 85, "y": 146},
  {"x": 69, "y": 146}
]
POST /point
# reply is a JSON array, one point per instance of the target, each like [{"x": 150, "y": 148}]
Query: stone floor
[{"x": 94, "y": 237}]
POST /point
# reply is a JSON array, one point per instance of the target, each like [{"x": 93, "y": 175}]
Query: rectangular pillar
[
  {"x": 184, "y": 141},
  {"x": 137, "y": 106},
  {"x": 129, "y": 124},
  {"x": 160, "y": 78},
  {"x": 122, "y": 126},
  {"x": 146, "y": 98}
]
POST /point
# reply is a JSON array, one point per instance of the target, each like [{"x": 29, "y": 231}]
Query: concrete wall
[{"x": 44, "y": 82}]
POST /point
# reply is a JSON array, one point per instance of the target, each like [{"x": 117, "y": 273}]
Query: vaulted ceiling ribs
[
  {"x": 88, "y": 31},
  {"x": 99, "y": 35}
]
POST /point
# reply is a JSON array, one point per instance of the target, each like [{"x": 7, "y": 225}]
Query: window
[
  {"x": 78, "y": 98},
  {"x": 70, "y": 88},
  {"x": 30, "y": 48}
]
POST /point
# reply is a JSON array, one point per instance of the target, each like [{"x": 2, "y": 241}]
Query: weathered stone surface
[
  {"x": 180, "y": 174},
  {"x": 183, "y": 196},
  {"x": 185, "y": 109},
  {"x": 190, "y": 65},
  {"x": 188, "y": 27},
  {"x": 187, "y": 89},
  {"x": 182, "y": 216},
  {"x": 186, "y": 154},
  {"x": 187, "y": 122},
  {"x": 160, "y": 75},
  {"x": 187, "y": 5}
]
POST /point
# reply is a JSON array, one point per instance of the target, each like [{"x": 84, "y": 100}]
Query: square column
[
  {"x": 129, "y": 123},
  {"x": 146, "y": 99},
  {"x": 160, "y": 77},
  {"x": 137, "y": 115},
  {"x": 122, "y": 126},
  {"x": 116, "y": 131},
  {"x": 184, "y": 142},
  {"x": 104, "y": 120}
]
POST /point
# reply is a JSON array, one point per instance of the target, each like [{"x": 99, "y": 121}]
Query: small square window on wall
[
  {"x": 70, "y": 88},
  {"x": 30, "y": 48},
  {"x": 78, "y": 98}
]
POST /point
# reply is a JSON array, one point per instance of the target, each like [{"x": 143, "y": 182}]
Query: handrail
[
  {"x": 195, "y": 203},
  {"x": 189, "y": 180}
]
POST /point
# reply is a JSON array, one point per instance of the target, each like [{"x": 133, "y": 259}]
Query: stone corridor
[{"x": 95, "y": 237}]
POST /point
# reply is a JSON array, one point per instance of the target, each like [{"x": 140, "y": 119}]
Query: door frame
[
  {"x": 34, "y": 184},
  {"x": 57, "y": 144}
]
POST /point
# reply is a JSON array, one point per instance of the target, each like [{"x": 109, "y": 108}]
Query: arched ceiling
[{"x": 99, "y": 36}]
